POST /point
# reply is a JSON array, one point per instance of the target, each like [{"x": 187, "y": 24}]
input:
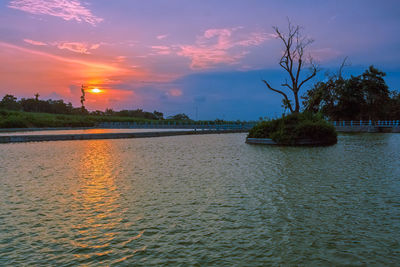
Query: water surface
[
  {"x": 200, "y": 200},
  {"x": 89, "y": 131}
]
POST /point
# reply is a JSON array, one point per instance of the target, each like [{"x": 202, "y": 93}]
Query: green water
[{"x": 200, "y": 200}]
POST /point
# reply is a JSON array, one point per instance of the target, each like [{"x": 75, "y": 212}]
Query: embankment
[{"x": 65, "y": 137}]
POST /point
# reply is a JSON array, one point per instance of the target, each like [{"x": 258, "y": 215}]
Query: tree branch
[
  {"x": 299, "y": 70},
  {"x": 287, "y": 85},
  {"x": 309, "y": 77},
  {"x": 341, "y": 67},
  {"x": 279, "y": 92}
]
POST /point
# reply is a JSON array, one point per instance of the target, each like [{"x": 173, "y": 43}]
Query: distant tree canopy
[
  {"x": 180, "y": 117},
  {"x": 138, "y": 113},
  {"x": 363, "y": 97},
  {"x": 10, "y": 102}
]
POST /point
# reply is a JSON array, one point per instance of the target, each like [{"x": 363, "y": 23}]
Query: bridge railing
[
  {"x": 175, "y": 125},
  {"x": 379, "y": 123}
]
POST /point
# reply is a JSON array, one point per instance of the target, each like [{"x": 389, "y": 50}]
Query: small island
[{"x": 297, "y": 129}]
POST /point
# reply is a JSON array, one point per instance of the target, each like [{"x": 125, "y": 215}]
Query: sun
[{"x": 96, "y": 90}]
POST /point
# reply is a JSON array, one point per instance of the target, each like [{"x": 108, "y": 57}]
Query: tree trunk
[{"x": 297, "y": 104}]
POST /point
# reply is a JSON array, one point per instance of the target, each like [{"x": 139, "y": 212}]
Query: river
[{"x": 200, "y": 200}]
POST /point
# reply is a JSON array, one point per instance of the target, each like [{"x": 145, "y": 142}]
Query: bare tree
[{"x": 293, "y": 62}]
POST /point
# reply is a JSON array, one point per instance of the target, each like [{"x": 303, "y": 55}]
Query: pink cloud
[
  {"x": 162, "y": 36},
  {"x": 65, "y": 9},
  {"x": 121, "y": 58},
  {"x": 32, "y": 42},
  {"x": 94, "y": 46},
  {"x": 206, "y": 57},
  {"x": 221, "y": 46},
  {"x": 175, "y": 92},
  {"x": 323, "y": 54},
  {"x": 255, "y": 39},
  {"x": 77, "y": 47},
  {"x": 161, "y": 50},
  {"x": 222, "y": 35}
]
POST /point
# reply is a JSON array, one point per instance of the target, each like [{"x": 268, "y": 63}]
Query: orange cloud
[
  {"x": 63, "y": 59},
  {"x": 47, "y": 73},
  {"x": 108, "y": 98}
]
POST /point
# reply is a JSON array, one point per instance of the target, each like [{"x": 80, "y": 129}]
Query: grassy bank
[{"x": 19, "y": 119}]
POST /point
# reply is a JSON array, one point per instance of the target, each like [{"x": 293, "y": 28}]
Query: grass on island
[{"x": 291, "y": 129}]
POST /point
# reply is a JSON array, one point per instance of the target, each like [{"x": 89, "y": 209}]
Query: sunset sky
[{"x": 176, "y": 55}]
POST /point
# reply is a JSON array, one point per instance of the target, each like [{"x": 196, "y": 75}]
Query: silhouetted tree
[
  {"x": 179, "y": 117},
  {"x": 293, "y": 62},
  {"x": 10, "y": 102},
  {"x": 323, "y": 96},
  {"x": 364, "y": 97},
  {"x": 158, "y": 115},
  {"x": 109, "y": 112},
  {"x": 97, "y": 113},
  {"x": 375, "y": 93},
  {"x": 394, "y": 111}
]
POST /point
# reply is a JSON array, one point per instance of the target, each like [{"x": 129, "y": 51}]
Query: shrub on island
[{"x": 296, "y": 129}]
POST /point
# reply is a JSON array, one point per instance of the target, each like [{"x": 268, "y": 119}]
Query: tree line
[
  {"x": 362, "y": 97},
  {"x": 10, "y": 102}
]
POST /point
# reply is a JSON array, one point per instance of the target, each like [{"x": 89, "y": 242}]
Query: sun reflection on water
[{"x": 97, "y": 203}]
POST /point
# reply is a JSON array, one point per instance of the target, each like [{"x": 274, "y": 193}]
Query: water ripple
[{"x": 200, "y": 200}]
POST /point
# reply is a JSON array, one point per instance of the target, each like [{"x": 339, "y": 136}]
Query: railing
[
  {"x": 175, "y": 125},
  {"x": 388, "y": 124},
  {"x": 234, "y": 126}
]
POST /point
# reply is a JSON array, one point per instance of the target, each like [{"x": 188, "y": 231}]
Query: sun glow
[{"x": 96, "y": 90}]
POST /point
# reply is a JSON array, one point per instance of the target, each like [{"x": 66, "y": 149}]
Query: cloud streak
[
  {"x": 65, "y": 9},
  {"x": 101, "y": 66},
  {"x": 161, "y": 50},
  {"x": 77, "y": 47},
  {"x": 221, "y": 46},
  {"x": 162, "y": 36},
  {"x": 32, "y": 42}
]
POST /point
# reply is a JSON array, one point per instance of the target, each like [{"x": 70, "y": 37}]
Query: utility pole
[
  {"x": 195, "y": 123},
  {"x": 83, "y": 98}
]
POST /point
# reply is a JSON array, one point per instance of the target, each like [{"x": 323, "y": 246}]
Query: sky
[{"x": 205, "y": 58}]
